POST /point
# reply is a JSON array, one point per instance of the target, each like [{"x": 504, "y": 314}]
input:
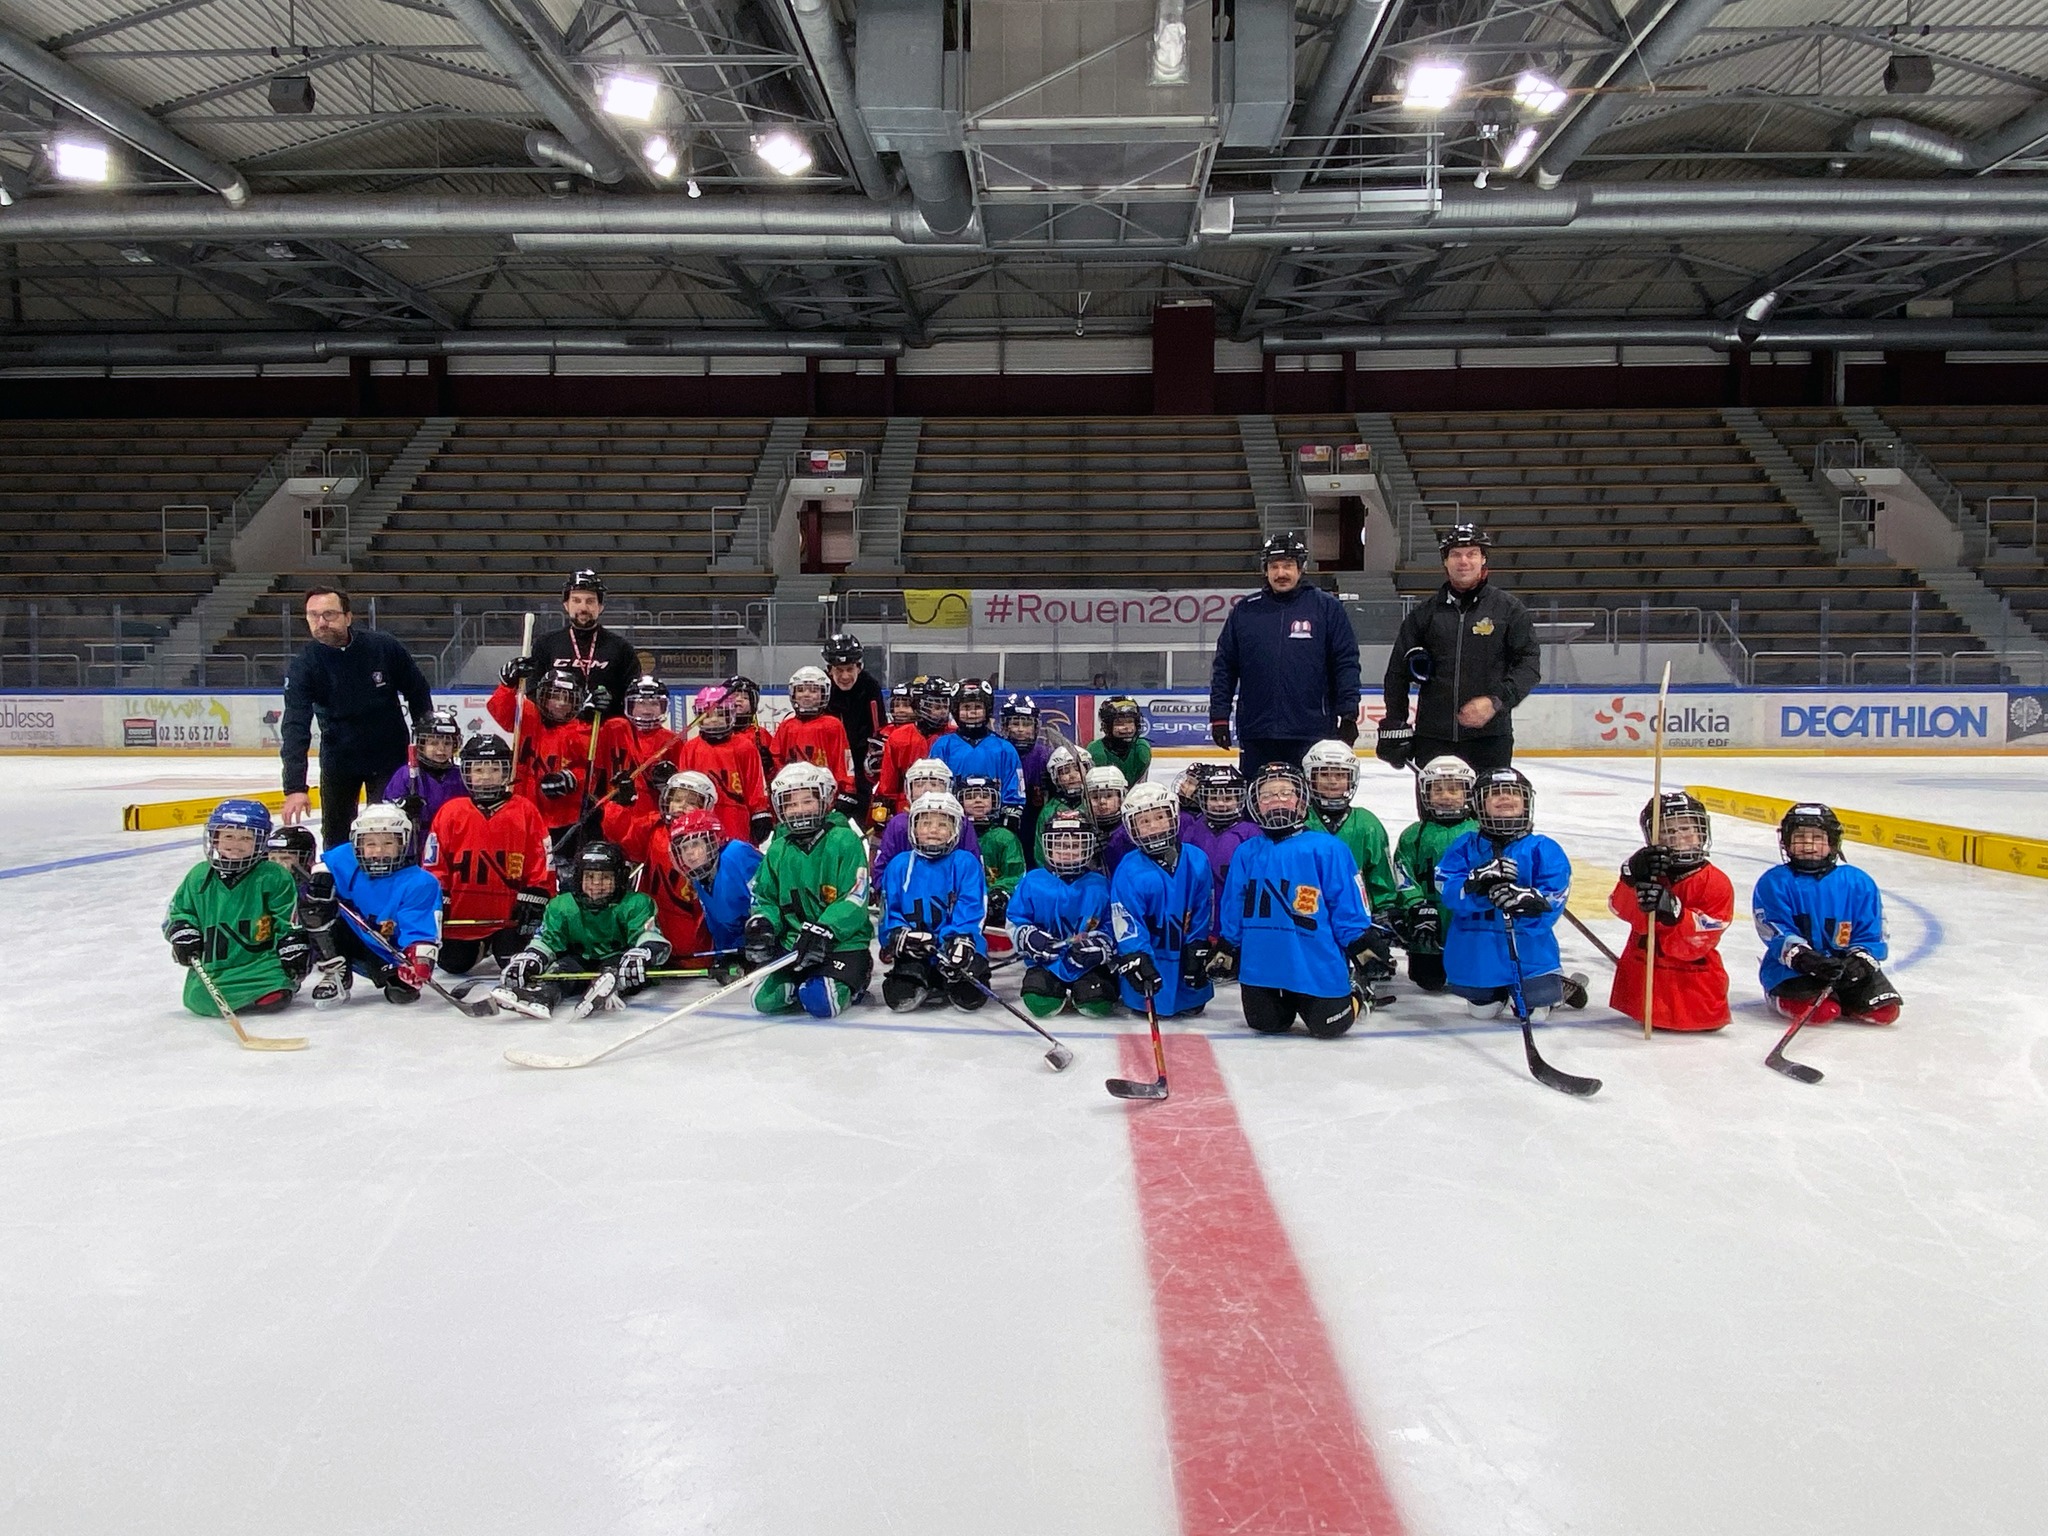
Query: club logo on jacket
[
  {"x": 377, "y": 678},
  {"x": 1307, "y": 899},
  {"x": 1301, "y": 629},
  {"x": 515, "y": 865},
  {"x": 1483, "y": 627}
]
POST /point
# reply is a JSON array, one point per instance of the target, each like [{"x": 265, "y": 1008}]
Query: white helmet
[
  {"x": 381, "y": 818},
  {"x": 804, "y": 704},
  {"x": 1153, "y": 797},
  {"x": 1103, "y": 781},
  {"x": 1444, "y": 770},
  {"x": 926, "y": 769},
  {"x": 1322, "y": 757},
  {"x": 795, "y": 779},
  {"x": 699, "y": 784},
  {"x": 938, "y": 803}
]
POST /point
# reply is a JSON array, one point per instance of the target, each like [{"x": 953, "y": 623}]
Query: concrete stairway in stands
[
  {"x": 1267, "y": 467},
  {"x": 369, "y": 515},
  {"x": 881, "y": 509},
  {"x": 1796, "y": 485},
  {"x": 748, "y": 550}
]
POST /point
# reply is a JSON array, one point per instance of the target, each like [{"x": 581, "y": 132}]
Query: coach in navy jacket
[
  {"x": 351, "y": 679},
  {"x": 1288, "y": 657}
]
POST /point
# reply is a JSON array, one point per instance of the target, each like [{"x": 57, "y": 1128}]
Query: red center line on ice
[{"x": 1265, "y": 1440}]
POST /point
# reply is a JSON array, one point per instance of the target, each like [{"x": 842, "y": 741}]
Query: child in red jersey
[
  {"x": 489, "y": 851},
  {"x": 554, "y": 741},
  {"x": 732, "y": 764},
  {"x": 810, "y": 735},
  {"x": 1670, "y": 887}
]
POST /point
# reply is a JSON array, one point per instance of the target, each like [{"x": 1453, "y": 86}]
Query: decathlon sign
[{"x": 1900, "y": 718}]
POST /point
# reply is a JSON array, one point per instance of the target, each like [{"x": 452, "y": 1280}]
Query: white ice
[{"x": 886, "y": 1275}]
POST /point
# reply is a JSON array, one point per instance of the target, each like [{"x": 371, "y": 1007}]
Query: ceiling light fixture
[
  {"x": 660, "y": 156},
  {"x": 1539, "y": 93},
  {"x": 80, "y": 160},
  {"x": 629, "y": 96},
  {"x": 1520, "y": 148},
  {"x": 1432, "y": 85},
  {"x": 783, "y": 152}
]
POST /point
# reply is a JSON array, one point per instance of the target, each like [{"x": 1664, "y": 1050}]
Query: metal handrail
[
  {"x": 1823, "y": 657},
  {"x": 319, "y": 523},
  {"x": 186, "y": 520},
  {"x": 884, "y": 519},
  {"x": 34, "y": 661},
  {"x": 1288, "y": 516},
  {"x": 1857, "y": 513}
]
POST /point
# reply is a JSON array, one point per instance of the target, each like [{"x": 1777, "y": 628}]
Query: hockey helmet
[
  {"x": 440, "y": 727},
  {"x": 1463, "y": 536},
  {"x": 250, "y": 816},
  {"x": 381, "y": 820},
  {"x": 802, "y": 796},
  {"x": 1068, "y": 843},
  {"x": 1684, "y": 829},
  {"x": 1118, "y": 711},
  {"x": 1279, "y": 798},
  {"x": 1811, "y": 815},
  {"x": 1066, "y": 772},
  {"x": 932, "y": 773},
  {"x": 1504, "y": 826},
  {"x": 902, "y": 703},
  {"x": 1454, "y": 776},
  {"x": 1322, "y": 766},
  {"x": 1286, "y": 545},
  {"x": 743, "y": 696},
  {"x": 293, "y": 847},
  {"x": 1104, "y": 789},
  {"x": 597, "y": 861},
  {"x": 585, "y": 580},
  {"x": 934, "y": 701},
  {"x": 980, "y": 796},
  {"x": 695, "y": 840},
  {"x": 688, "y": 781},
  {"x": 1223, "y": 796},
  {"x": 712, "y": 708},
  {"x": 1020, "y": 720},
  {"x": 926, "y": 841},
  {"x": 1156, "y": 834},
  {"x": 970, "y": 693},
  {"x": 487, "y": 769},
  {"x": 560, "y": 693},
  {"x": 842, "y": 650},
  {"x": 646, "y": 702},
  {"x": 809, "y": 688}
]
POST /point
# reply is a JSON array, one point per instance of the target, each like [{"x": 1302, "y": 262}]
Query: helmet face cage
[
  {"x": 487, "y": 769},
  {"x": 1105, "y": 792},
  {"x": 1187, "y": 789},
  {"x": 1223, "y": 798},
  {"x": 250, "y": 821},
  {"x": 1120, "y": 718},
  {"x": 1152, "y": 820},
  {"x": 393, "y": 829},
  {"x": 1331, "y": 769},
  {"x": 561, "y": 693},
  {"x": 713, "y": 708},
  {"x": 600, "y": 875},
  {"x": 809, "y": 688},
  {"x": 293, "y": 847},
  {"x": 902, "y": 704},
  {"x": 935, "y": 824},
  {"x": 801, "y": 804},
  {"x": 973, "y": 692},
  {"x": 934, "y": 701},
  {"x": 1501, "y": 825},
  {"x": 1069, "y": 843},
  {"x": 743, "y": 698},
  {"x": 927, "y": 776},
  {"x": 1067, "y": 772},
  {"x": 689, "y": 782},
  {"x": 1683, "y": 829},
  {"x": 441, "y": 729},
  {"x": 1279, "y": 798},
  {"x": 1020, "y": 721},
  {"x": 695, "y": 844},
  {"x": 979, "y": 796},
  {"x": 1444, "y": 772},
  {"x": 1811, "y": 816}
]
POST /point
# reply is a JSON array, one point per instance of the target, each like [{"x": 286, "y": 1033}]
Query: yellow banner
[
  {"x": 1958, "y": 845},
  {"x": 159, "y": 814},
  {"x": 939, "y": 607}
]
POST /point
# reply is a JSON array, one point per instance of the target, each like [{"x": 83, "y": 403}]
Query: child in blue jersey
[
  {"x": 722, "y": 874},
  {"x": 1059, "y": 920},
  {"x": 934, "y": 901},
  {"x": 1506, "y": 872},
  {"x": 1294, "y": 927},
  {"x": 972, "y": 749},
  {"x": 1162, "y": 906},
  {"x": 1822, "y": 923},
  {"x": 926, "y": 776},
  {"x": 1218, "y": 826},
  {"x": 373, "y": 879}
]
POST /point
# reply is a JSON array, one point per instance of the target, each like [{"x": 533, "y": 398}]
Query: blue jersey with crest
[
  {"x": 1476, "y": 945},
  {"x": 1832, "y": 913},
  {"x": 1290, "y": 907},
  {"x": 1062, "y": 908},
  {"x": 1161, "y": 911},
  {"x": 943, "y": 897}
]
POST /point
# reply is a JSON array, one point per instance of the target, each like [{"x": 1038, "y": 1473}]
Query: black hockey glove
[
  {"x": 1395, "y": 745},
  {"x": 761, "y": 946},
  {"x": 528, "y": 907},
  {"x": 295, "y": 954},
  {"x": 914, "y": 944},
  {"x": 1347, "y": 730},
  {"x": 956, "y": 955},
  {"x": 1648, "y": 866},
  {"x": 557, "y": 784},
  {"x": 1223, "y": 960},
  {"x": 657, "y": 774},
  {"x": 1219, "y": 732},
  {"x": 520, "y": 669},
  {"x": 759, "y": 825},
  {"x": 1376, "y": 942},
  {"x": 998, "y": 908},
  {"x": 1518, "y": 901},
  {"x": 871, "y": 760},
  {"x": 814, "y": 942},
  {"x": 1011, "y": 819},
  {"x": 1194, "y": 964},
  {"x": 598, "y": 700},
  {"x": 624, "y": 791},
  {"x": 318, "y": 905},
  {"x": 415, "y": 809},
  {"x": 1815, "y": 966},
  {"x": 1136, "y": 967},
  {"x": 1426, "y": 929},
  {"x": 1088, "y": 950},
  {"x": 523, "y": 969},
  {"x": 1488, "y": 877},
  {"x": 1858, "y": 971},
  {"x": 1655, "y": 897},
  {"x": 187, "y": 944},
  {"x": 847, "y": 805}
]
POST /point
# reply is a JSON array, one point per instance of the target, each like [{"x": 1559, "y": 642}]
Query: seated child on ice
[
  {"x": 926, "y": 776},
  {"x": 1162, "y": 909},
  {"x": 1002, "y": 856},
  {"x": 1668, "y": 886},
  {"x": 232, "y": 914},
  {"x": 598, "y": 925},
  {"x": 934, "y": 902},
  {"x": 1331, "y": 769},
  {"x": 370, "y": 909},
  {"x": 1822, "y": 923},
  {"x": 1103, "y": 793},
  {"x": 1059, "y": 920},
  {"x": 1443, "y": 804},
  {"x": 1504, "y": 885},
  {"x": 811, "y": 898},
  {"x": 721, "y": 874},
  {"x": 489, "y": 851}
]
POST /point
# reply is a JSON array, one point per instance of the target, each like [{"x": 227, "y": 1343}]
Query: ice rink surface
[{"x": 890, "y": 1276}]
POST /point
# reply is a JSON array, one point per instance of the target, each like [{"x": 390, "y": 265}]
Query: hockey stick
[
  {"x": 1656, "y": 834},
  {"x": 1541, "y": 1070},
  {"x": 593, "y": 975},
  {"x": 1059, "y": 1057},
  {"x": 1591, "y": 937},
  {"x": 1126, "y": 1088},
  {"x": 249, "y": 1042},
  {"x": 519, "y": 705},
  {"x": 1798, "y": 1070},
  {"x": 485, "y": 1009},
  {"x": 520, "y": 1058}
]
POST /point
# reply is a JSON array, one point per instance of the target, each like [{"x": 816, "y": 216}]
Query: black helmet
[
  {"x": 842, "y": 650},
  {"x": 487, "y": 749},
  {"x": 1504, "y": 829},
  {"x": 584, "y": 581},
  {"x": 1677, "y": 808},
  {"x": 296, "y": 844},
  {"x": 1462, "y": 535},
  {"x": 1810, "y": 813},
  {"x": 934, "y": 700},
  {"x": 1283, "y": 819},
  {"x": 1117, "y": 707},
  {"x": 1284, "y": 546},
  {"x": 600, "y": 857}
]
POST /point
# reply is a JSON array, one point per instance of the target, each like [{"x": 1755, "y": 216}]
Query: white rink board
[{"x": 886, "y": 1275}]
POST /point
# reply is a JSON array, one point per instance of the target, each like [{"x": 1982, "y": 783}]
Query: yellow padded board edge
[
  {"x": 155, "y": 815},
  {"x": 1958, "y": 845}
]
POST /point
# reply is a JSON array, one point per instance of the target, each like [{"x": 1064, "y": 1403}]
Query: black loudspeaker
[
  {"x": 1909, "y": 74},
  {"x": 292, "y": 94}
]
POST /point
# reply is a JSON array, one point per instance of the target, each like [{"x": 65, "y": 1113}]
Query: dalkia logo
[
  {"x": 1624, "y": 723},
  {"x": 1621, "y": 721}
]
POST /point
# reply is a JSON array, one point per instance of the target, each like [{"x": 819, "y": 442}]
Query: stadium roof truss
[{"x": 438, "y": 167}]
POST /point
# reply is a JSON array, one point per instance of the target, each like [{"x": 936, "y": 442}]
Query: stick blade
[
  {"x": 1060, "y": 1058},
  {"x": 1124, "y": 1088},
  {"x": 1565, "y": 1082},
  {"x": 545, "y": 1063},
  {"x": 273, "y": 1042},
  {"x": 1798, "y": 1071}
]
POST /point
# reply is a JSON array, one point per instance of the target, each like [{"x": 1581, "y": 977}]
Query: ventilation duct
[
  {"x": 828, "y": 58},
  {"x": 907, "y": 87},
  {"x": 1785, "y": 336},
  {"x": 1895, "y": 134},
  {"x": 552, "y": 149},
  {"x": 510, "y": 50},
  {"x": 1352, "y": 52},
  {"x": 311, "y": 347}
]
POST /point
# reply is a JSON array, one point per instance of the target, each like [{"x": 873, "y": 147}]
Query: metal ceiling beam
[
  {"x": 835, "y": 77},
  {"x": 160, "y": 12},
  {"x": 118, "y": 115},
  {"x": 1353, "y": 49},
  {"x": 373, "y": 276},
  {"x": 1656, "y": 49},
  {"x": 1815, "y": 336},
  {"x": 274, "y": 347},
  {"x": 514, "y": 52}
]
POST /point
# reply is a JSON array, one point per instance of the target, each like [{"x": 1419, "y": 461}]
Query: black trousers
[
  {"x": 917, "y": 980},
  {"x": 459, "y": 956},
  {"x": 1479, "y": 753},
  {"x": 1273, "y": 1010},
  {"x": 1257, "y": 751},
  {"x": 341, "y": 788}
]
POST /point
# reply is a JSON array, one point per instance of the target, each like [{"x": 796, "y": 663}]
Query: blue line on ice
[{"x": 92, "y": 858}]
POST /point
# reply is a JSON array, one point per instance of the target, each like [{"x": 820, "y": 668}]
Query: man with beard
[{"x": 602, "y": 659}]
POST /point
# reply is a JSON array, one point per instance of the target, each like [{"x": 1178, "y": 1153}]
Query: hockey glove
[
  {"x": 657, "y": 774},
  {"x": 632, "y": 968},
  {"x": 557, "y": 784},
  {"x": 598, "y": 700},
  {"x": 318, "y": 905},
  {"x": 1011, "y": 819},
  {"x": 295, "y": 954},
  {"x": 1659, "y": 899},
  {"x": 1371, "y": 956},
  {"x": 998, "y": 908},
  {"x": 187, "y": 944},
  {"x": 523, "y": 969},
  {"x": 520, "y": 669},
  {"x": 1648, "y": 866},
  {"x": 814, "y": 942},
  {"x": 761, "y": 946},
  {"x": 1136, "y": 968},
  {"x": 878, "y": 813},
  {"x": 1347, "y": 730},
  {"x": 1858, "y": 971},
  {"x": 415, "y": 809},
  {"x": 624, "y": 791},
  {"x": 1223, "y": 960},
  {"x": 1037, "y": 945},
  {"x": 1091, "y": 949},
  {"x": 1194, "y": 964},
  {"x": 955, "y": 956},
  {"x": 1815, "y": 966},
  {"x": 1488, "y": 878},
  {"x": 914, "y": 944},
  {"x": 528, "y": 905},
  {"x": 871, "y": 760},
  {"x": 1426, "y": 929},
  {"x": 847, "y": 806},
  {"x": 409, "y": 975},
  {"x": 1518, "y": 901},
  {"x": 759, "y": 825},
  {"x": 1395, "y": 745},
  {"x": 1219, "y": 732}
]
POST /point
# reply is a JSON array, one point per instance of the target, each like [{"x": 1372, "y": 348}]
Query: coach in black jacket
[
  {"x": 1472, "y": 654},
  {"x": 351, "y": 680},
  {"x": 1289, "y": 658},
  {"x": 602, "y": 659}
]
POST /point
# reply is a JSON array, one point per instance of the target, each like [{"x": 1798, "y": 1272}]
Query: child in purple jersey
[
  {"x": 433, "y": 777},
  {"x": 1222, "y": 825}
]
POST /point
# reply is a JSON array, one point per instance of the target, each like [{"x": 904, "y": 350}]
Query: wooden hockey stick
[
  {"x": 523, "y": 1058},
  {"x": 1656, "y": 833},
  {"x": 249, "y": 1042}
]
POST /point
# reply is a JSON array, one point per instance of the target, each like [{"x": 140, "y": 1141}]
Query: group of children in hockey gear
[{"x": 603, "y": 852}]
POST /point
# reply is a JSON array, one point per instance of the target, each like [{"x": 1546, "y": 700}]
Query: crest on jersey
[
  {"x": 515, "y": 865},
  {"x": 829, "y": 892},
  {"x": 1844, "y": 932},
  {"x": 1308, "y": 900},
  {"x": 1302, "y": 629},
  {"x": 432, "y": 852},
  {"x": 1122, "y": 924},
  {"x": 266, "y": 925},
  {"x": 1483, "y": 627},
  {"x": 1708, "y": 924}
]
